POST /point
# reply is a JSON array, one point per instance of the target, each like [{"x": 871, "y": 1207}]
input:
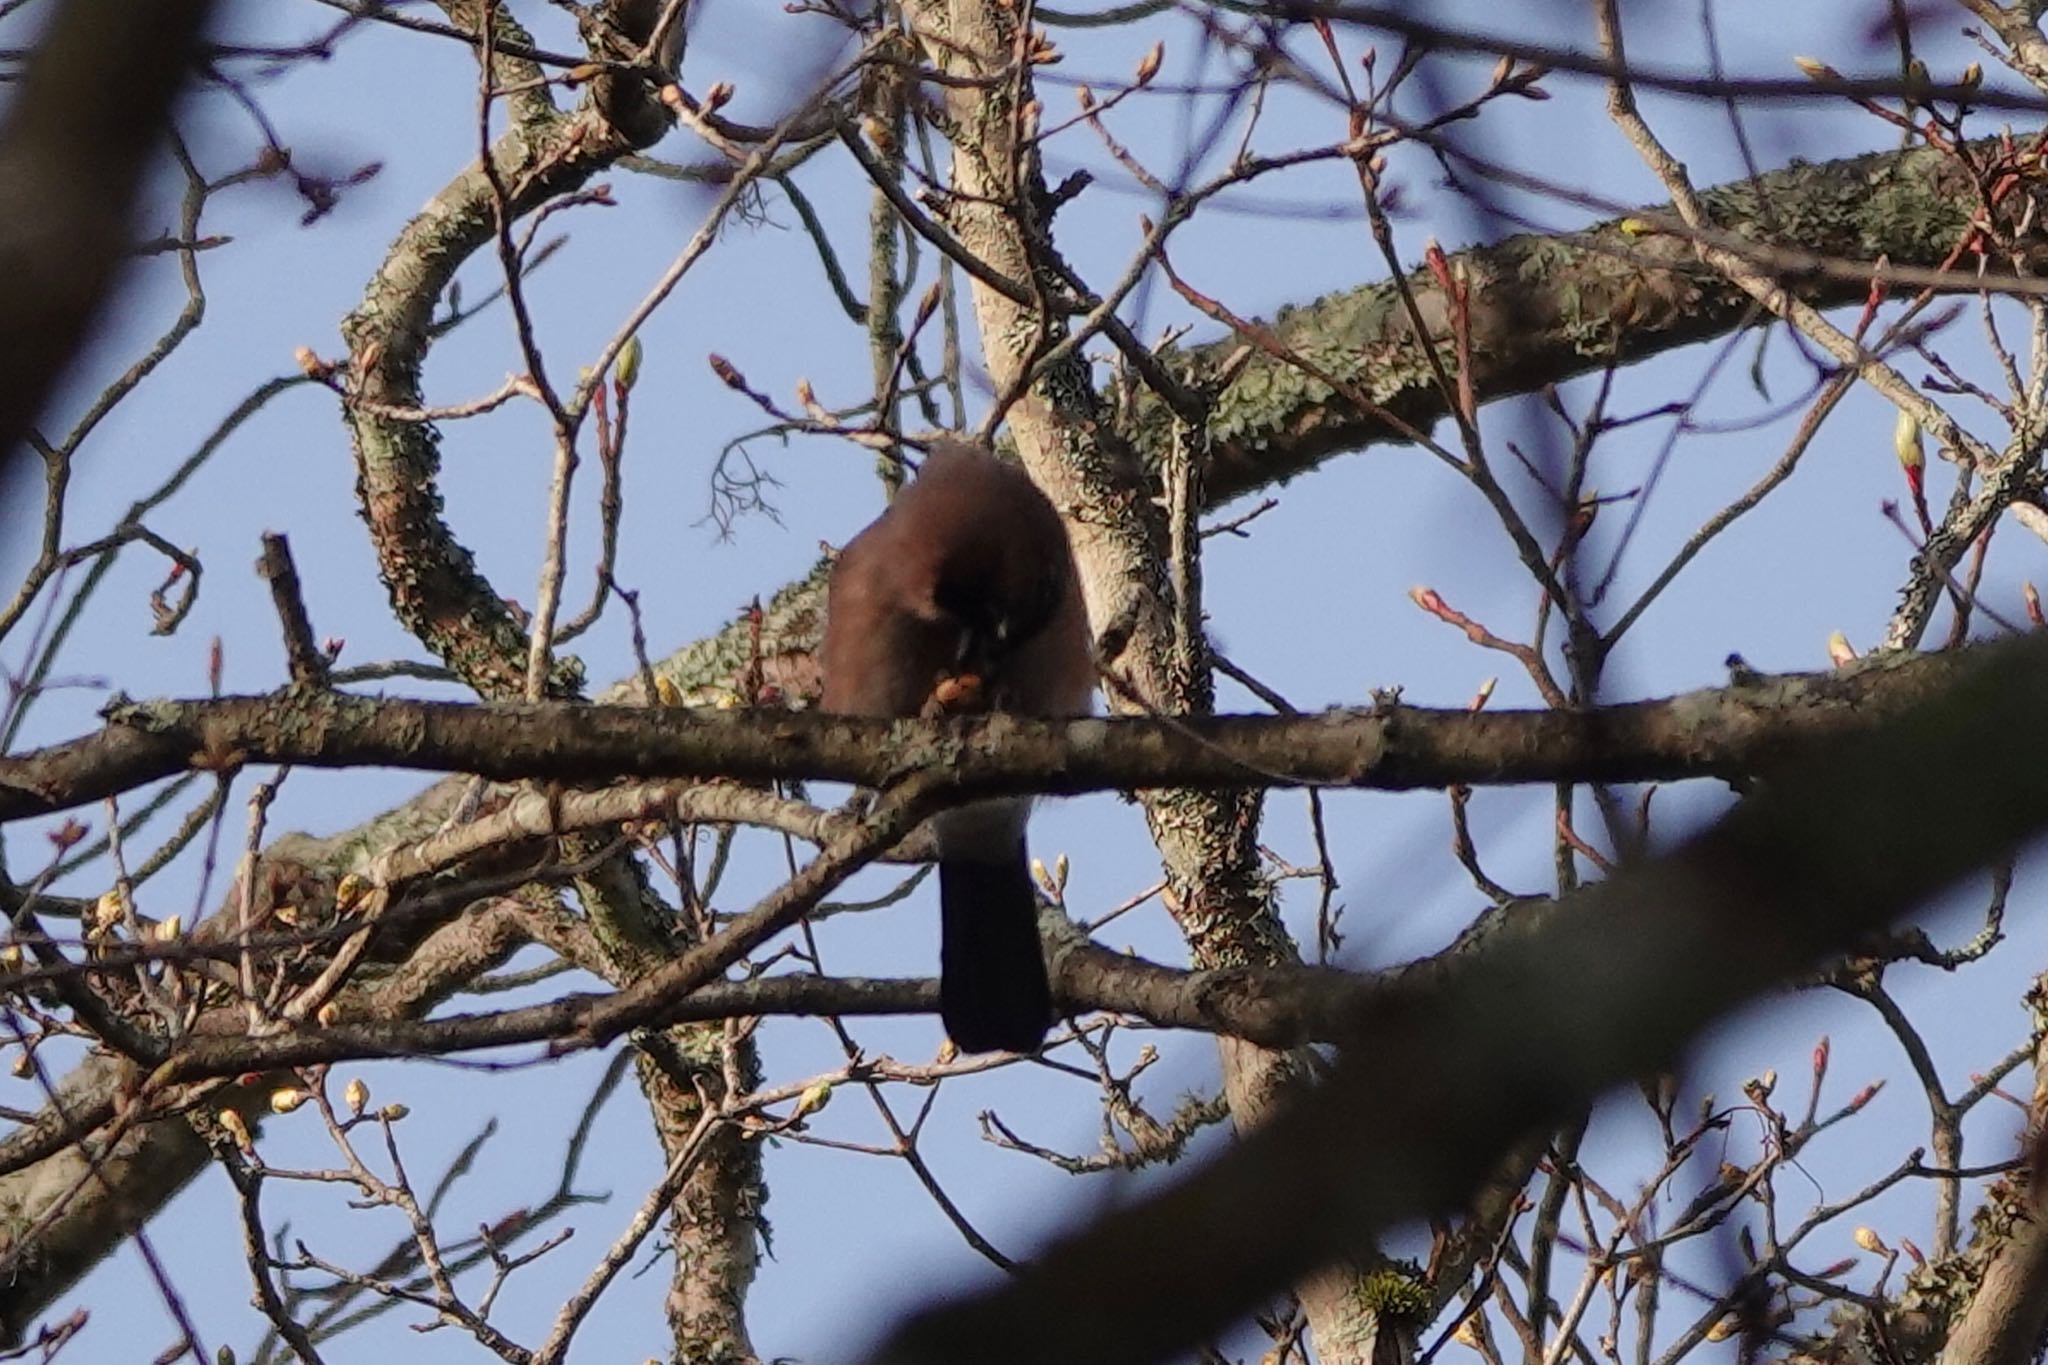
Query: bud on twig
[
  {"x": 813, "y": 1098},
  {"x": 927, "y": 305},
  {"x": 1149, "y": 64},
  {"x": 807, "y": 398},
  {"x": 1906, "y": 442},
  {"x": 728, "y": 373},
  {"x": 628, "y": 368}
]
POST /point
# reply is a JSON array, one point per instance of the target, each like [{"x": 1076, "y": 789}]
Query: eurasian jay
[{"x": 962, "y": 596}]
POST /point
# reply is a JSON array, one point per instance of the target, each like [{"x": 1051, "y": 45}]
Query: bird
[{"x": 963, "y": 597}]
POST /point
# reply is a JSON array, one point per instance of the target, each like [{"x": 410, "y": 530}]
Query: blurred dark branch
[
  {"x": 1464, "y": 1060},
  {"x": 73, "y": 150}
]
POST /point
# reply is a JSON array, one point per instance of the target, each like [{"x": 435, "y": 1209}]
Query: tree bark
[{"x": 1564, "y": 306}]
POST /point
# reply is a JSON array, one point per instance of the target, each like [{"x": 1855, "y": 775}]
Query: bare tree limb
[{"x": 1718, "y": 732}]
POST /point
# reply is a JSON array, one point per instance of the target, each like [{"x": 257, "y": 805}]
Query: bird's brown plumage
[{"x": 963, "y": 596}]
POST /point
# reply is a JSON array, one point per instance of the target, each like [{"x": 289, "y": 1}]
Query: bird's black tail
[{"x": 993, "y": 992}]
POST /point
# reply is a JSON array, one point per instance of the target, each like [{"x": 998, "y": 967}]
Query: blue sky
[{"x": 1314, "y": 602}]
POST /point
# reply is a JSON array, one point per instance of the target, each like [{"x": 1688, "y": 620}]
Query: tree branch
[
  {"x": 1717, "y": 732},
  {"x": 1466, "y": 1059}
]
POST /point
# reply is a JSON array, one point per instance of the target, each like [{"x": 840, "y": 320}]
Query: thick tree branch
[
  {"x": 1547, "y": 307},
  {"x": 1717, "y": 732},
  {"x": 436, "y": 590},
  {"x": 2002, "y": 1322},
  {"x": 2007, "y": 1261}
]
